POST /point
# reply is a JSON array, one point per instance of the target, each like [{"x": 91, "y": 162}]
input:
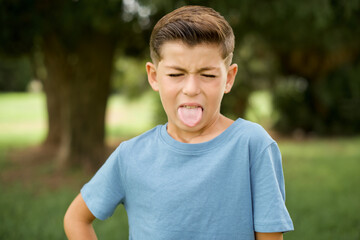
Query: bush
[
  {"x": 15, "y": 74},
  {"x": 327, "y": 106}
]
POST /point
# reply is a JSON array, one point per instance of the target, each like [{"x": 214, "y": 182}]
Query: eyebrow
[{"x": 184, "y": 70}]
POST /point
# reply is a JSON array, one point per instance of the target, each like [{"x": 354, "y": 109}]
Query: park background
[{"x": 73, "y": 86}]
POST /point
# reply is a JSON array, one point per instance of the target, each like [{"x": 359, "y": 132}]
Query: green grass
[
  {"x": 322, "y": 183},
  {"x": 27, "y": 215},
  {"x": 322, "y": 177}
]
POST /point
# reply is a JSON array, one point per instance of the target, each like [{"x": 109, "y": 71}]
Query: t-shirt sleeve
[
  {"x": 105, "y": 191},
  {"x": 268, "y": 192}
]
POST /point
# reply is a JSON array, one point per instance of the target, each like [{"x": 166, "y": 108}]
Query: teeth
[{"x": 190, "y": 107}]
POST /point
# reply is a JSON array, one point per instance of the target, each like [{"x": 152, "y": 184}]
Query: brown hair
[{"x": 192, "y": 25}]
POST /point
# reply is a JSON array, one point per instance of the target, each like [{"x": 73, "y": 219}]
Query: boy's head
[
  {"x": 191, "y": 49},
  {"x": 193, "y": 25}
]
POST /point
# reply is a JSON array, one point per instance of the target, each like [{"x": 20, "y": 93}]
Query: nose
[{"x": 191, "y": 86}]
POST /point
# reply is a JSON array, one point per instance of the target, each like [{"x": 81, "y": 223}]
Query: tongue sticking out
[{"x": 190, "y": 116}]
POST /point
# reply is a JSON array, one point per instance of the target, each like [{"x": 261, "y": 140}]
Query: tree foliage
[{"x": 14, "y": 74}]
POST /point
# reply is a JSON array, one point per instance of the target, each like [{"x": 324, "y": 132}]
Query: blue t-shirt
[{"x": 225, "y": 188}]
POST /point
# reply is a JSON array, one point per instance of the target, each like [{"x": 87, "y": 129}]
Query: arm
[
  {"x": 268, "y": 236},
  {"x": 78, "y": 221}
]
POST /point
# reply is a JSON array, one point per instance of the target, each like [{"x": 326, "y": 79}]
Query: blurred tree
[
  {"x": 313, "y": 40},
  {"x": 129, "y": 77},
  {"x": 76, "y": 42}
]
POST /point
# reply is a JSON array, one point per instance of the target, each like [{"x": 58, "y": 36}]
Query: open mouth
[
  {"x": 190, "y": 115},
  {"x": 190, "y": 107}
]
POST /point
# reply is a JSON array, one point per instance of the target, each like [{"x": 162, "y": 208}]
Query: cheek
[
  {"x": 169, "y": 89},
  {"x": 216, "y": 89},
  {"x": 215, "y": 95},
  {"x": 168, "y": 97}
]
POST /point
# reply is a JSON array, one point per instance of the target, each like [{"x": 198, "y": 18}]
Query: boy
[{"x": 201, "y": 176}]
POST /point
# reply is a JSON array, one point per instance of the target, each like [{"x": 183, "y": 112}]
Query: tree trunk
[
  {"x": 53, "y": 105},
  {"x": 77, "y": 87}
]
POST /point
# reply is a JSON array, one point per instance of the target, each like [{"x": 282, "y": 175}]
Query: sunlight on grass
[
  {"x": 128, "y": 118},
  {"x": 22, "y": 119}
]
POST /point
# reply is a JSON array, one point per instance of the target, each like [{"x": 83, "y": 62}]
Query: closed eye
[
  {"x": 175, "y": 74},
  {"x": 208, "y": 75}
]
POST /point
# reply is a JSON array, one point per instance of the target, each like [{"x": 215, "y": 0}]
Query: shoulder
[
  {"x": 141, "y": 141},
  {"x": 252, "y": 136},
  {"x": 253, "y": 132}
]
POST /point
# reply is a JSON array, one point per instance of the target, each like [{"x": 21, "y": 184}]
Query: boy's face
[{"x": 191, "y": 82}]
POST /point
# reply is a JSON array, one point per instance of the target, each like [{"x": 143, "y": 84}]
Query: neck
[{"x": 210, "y": 131}]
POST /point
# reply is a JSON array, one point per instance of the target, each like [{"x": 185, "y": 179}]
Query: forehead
[{"x": 176, "y": 53}]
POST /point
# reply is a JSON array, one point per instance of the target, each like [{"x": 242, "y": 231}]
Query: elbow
[{"x": 67, "y": 222}]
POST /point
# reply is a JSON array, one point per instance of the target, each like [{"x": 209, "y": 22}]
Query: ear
[
  {"x": 151, "y": 74},
  {"x": 231, "y": 74}
]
